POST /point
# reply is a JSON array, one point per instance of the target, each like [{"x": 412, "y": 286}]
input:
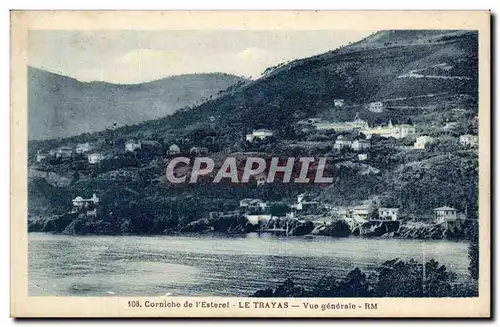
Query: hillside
[
  {"x": 427, "y": 79},
  {"x": 379, "y": 68},
  {"x": 60, "y": 106}
]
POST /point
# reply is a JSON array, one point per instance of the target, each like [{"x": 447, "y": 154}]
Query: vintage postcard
[{"x": 250, "y": 164}]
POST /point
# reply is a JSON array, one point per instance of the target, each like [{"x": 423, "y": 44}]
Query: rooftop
[{"x": 445, "y": 208}]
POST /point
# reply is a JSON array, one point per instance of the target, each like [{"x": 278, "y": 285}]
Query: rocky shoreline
[{"x": 79, "y": 224}]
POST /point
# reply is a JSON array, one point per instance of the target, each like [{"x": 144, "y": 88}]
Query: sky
[{"x": 128, "y": 57}]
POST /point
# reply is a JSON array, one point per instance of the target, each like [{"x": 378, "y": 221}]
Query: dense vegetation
[{"x": 394, "y": 278}]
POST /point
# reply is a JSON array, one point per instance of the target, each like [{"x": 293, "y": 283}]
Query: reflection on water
[{"x": 210, "y": 265}]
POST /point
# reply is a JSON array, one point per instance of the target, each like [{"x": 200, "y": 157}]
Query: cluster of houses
[
  {"x": 257, "y": 211},
  {"x": 94, "y": 157},
  {"x": 68, "y": 152},
  {"x": 397, "y": 131}
]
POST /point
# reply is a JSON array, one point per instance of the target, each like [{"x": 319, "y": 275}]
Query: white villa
[
  {"x": 256, "y": 219},
  {"x": 341, "y": 143},
  {"x": 95, "y": 158},
  {"x": 338, "y": 102},
  {"x": 446, "y": 214},
  {"x": 173, "y": 150},
  {"x": 132, "y": 145},
  {"x": 422, "y": 141},
  {"x": 469, "y": 140},
  {"x": 359, "y": 145},
  {"x": 359, "y": 211},
  {"x": 362, "y": 156},
  {"x": 80, "y": 202},
  {"x": 83, "y": 148},
  {"x": 41, "y": 155},
  {"x": 86, "y": 205},
  {"x": 64, "y": 152},
  {"x": 259, "y": 134},
  {"x": 376, "y": 106}
]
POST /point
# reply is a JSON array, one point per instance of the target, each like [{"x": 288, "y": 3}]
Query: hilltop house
[
  {"x": 95, "y": 158},
  {"x": 132, "y": 145},
  {"x": 259, "y": 134},
  {"x": 341, "y": 142},
  {"x": 422, "y": 141},
  {"x": 469, "y": 140},
  {"x": 359, "y": 145},
  {"x": 445, "y": 214},
  {"x": 388, "y": 213},
  {"x": 87, "y": 206},
  {"x": 64, "y": 152},
  {"x": 83, "y": 148},
  {"x": 198, "y": 151},
  {"x": 376, "y": 106},
  {"x": 338, "y": 102}
]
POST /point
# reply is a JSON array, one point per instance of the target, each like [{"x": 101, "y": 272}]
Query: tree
[
  {"x": 279, "y": 209},
  {"x": 473, "y": 251}
]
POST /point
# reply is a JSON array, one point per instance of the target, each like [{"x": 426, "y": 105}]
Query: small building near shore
[
  {"x": 258, "y": 219},
  {"x": 376, "y": 106},
  {"x": 87, "y": 206},
  {"x": 361, "y": 211},
  {"x": 305, "y": 202},
  {"x": 445, "y": 214},
  {"x": 388, "y": 213}
]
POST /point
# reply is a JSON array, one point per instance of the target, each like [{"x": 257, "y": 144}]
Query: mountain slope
[
  {"x": 60, "y": 106},
  {"x": 385, "y": 66}
]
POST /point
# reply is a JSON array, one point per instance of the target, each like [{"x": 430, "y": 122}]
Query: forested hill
[
  {"x": 60, "y": 106},
  {"x": 407, "y": 70}
]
